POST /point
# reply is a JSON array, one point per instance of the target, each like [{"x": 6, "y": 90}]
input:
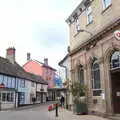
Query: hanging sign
[{"x": 117, "y": 34}]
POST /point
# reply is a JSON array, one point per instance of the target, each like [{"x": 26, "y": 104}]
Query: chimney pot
[
  {"x": 10, "y": 55},
  {"x": 46, "y": 61},
  {"x": 28, "y": 56}
]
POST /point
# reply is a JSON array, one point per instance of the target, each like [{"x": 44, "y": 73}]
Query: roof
[
  {"x": 7, "y": 68},
  {"x": 61, "y": 62},
  {"x": 41, "y": 64},
  {"x": 47, "y": 66}
]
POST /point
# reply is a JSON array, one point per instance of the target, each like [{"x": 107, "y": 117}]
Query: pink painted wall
[
  {"x": 33, "y": 67},
  {"x": 45, "y": 72}
]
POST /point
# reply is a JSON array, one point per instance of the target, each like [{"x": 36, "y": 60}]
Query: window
[
  {"x": 1, "y": 79},
  {"x": 32, "y": 84},
  {"x": 22, "y": 83},
  {"x": 7, "y": 96},
  {"x": 21, "y": 98},
  {"x": 89, "y": 15},
  {"x": 106, "y": 3},
  {"x": 77, "y": 24},
  {"x": 96, "y": 78},
  {"x": 81, "y": 74},
  {"x": 115, "y": 60}
]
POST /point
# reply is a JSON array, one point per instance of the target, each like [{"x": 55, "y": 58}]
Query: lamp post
[{"x": 83, "y": 30}]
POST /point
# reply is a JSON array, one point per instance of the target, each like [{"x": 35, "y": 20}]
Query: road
[{"x": 37, "y": 113}]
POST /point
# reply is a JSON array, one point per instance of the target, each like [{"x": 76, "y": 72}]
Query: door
[{"x": 116, "y": 91}]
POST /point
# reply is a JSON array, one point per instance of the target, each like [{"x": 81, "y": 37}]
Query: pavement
[
  {"x": 40, "y": 112},
  {"x": 64, "y": 114}
]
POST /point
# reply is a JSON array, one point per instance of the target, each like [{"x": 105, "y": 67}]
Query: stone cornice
[
  {"x": 77, "y": 12},
  {"x": 93, "y": 40}
]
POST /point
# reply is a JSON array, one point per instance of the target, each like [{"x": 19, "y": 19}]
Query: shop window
[
  {"x": 89, "y": 15},
  {"x": 115, "y": 60},
  {"x": 96, "y": 86},
  {"x": 106, "y": 3},
  {"x": 7, "y": 97}
]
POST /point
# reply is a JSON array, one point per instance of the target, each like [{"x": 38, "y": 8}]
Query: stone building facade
[{"x": 94, "y": 31}]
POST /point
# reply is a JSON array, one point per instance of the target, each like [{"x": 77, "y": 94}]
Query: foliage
[{"x": 78, "y": 90}]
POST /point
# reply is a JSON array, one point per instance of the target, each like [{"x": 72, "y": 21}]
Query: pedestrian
[{"x": 62, "y": 100}]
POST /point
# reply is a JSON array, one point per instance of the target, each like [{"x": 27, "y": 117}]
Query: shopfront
[{"x": 7, "y": 98}]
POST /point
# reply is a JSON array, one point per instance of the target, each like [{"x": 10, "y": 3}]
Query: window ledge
[
  {"x": 76, "y": 33},
  {"x": 89, "y": 23},
  {"x": 105, "y": 9}
]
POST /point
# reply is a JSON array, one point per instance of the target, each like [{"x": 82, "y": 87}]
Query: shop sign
[{"x": 117, "y": 34}]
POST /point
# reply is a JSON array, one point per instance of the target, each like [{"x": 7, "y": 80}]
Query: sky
[{"x": 36, "y": 26}]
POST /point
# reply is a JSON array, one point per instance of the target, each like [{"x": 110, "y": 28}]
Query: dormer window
[
  {"x": 89, "y": 15},
  {"x": 106, "y": 3}
]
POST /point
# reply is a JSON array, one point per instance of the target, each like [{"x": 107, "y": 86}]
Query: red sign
[
  {"x": 117, "y": 34},
  {"x": 2, "y": 85}
]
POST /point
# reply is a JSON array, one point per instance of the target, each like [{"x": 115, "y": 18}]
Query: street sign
[{"x": 117, "y": 34}]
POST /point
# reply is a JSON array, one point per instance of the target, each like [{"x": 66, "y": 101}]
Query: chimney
[
  {"x": 28, "y": 56},
  {"x": 10, "y": 55},
  {"x": 46, "y": 61}
]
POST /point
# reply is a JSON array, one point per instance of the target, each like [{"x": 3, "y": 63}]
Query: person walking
[{"x": 62, "y": 100}]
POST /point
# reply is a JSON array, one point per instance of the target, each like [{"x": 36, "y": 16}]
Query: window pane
[
  {"x": 95, "y": 75},
  {"x": 5, "y": 81},
  {"x": 1, "y": 79},
  {"x": 107, "y": 3},
  {"x": 115, "y": 60}
]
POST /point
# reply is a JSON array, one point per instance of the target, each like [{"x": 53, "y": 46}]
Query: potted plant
[{"x": 78, "y": 92}]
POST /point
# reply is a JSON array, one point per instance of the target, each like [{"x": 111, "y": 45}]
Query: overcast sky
[{"x": 35, "y": 26}]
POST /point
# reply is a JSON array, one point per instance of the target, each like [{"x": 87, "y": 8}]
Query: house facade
[
  {"x": 94, "y": 28},
  {"x": 46, "y": 72},
  {"x": 65, "y": 63},
  {"x": 17, "y": 87},
  {"x": 41, "y": 69}
]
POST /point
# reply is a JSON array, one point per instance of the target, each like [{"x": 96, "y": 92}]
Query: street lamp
[{"x": 83, "y": 30}]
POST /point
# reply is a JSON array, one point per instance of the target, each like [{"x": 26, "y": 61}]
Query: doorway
[{"x": 115, "y": 77}]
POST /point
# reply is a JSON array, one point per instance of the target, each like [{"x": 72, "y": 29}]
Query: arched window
[
  {"x": 115, "y": 60},
  {"x": 81, "y": 74},
  {"x": 96, "y": 78}
]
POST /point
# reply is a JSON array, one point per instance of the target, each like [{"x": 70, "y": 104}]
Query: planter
[{"x": 81, "y": 108}]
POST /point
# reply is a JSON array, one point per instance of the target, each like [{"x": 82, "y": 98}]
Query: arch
[
  {"x": 110, "y": 51},
  {"x": 115, "y": 60}
]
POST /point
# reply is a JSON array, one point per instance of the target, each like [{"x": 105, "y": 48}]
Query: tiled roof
[{"x": 16, "y": 70}]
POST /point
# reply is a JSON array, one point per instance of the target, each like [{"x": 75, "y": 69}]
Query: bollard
[{"x": 56, "y": 110}]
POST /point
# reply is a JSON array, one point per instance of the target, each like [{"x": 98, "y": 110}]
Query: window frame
[
  {"x": 105, "y": 5},
  {"x": 112, "y": 67},
  {"x": 89, "y": 13},
  {"x": 95, "y": 88}
]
